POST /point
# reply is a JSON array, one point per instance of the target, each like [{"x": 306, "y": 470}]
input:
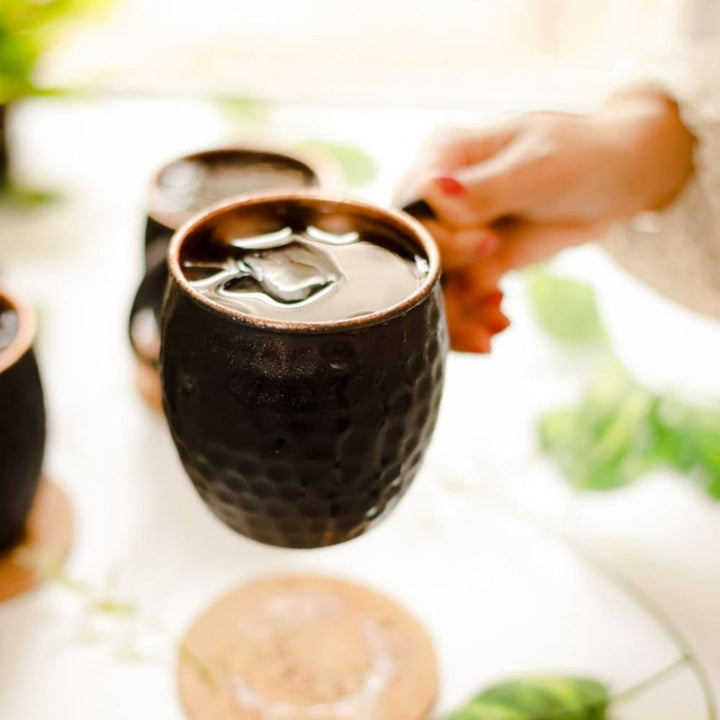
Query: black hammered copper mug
[
  {"x": 22, "y": 419},
  {"x": 187, "y": 185},
  {"x": 301, "y": 434}
]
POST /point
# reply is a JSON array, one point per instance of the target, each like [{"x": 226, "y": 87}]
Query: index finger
[{"x": 451, "y": 148}]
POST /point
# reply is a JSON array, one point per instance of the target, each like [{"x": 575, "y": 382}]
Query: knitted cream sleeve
[{"x": 677, "y": 250}]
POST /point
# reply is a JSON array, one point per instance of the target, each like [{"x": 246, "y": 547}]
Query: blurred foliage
[
  {"x": 247, "y": 109},
  {"x": 98, "y": 601},
  {"x": 539, "y": 698},
  {"x": 359, "y": 167},
  {"x": 688, "y": 439},
  {"x": 619, "y": 431},
  {"x": 23, "y": 197},
  {"x": 608, "y": 440},
  {"x": 566, "y": 308},
  {"x": 27, "y": 29}
]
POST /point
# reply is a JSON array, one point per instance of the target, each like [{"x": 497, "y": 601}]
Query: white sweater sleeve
[{"x": 677, "y": 251}]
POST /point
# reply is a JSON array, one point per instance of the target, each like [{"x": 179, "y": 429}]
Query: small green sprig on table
[
  {"x": 546, "y": 697},
  {"x": 539, "y": 698},
  {"x": 554, "y": 697}
]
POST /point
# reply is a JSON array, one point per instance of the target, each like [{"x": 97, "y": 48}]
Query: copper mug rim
[
  {"x": 326, "y": 171},
  {"x": 27, "y": 322},
  {"x": 401, "y": 221}
]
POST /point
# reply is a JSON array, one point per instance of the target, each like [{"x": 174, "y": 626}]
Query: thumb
[{"x": 523, "y": 243}]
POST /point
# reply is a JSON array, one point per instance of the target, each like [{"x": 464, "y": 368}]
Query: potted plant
[{"x": 28, "y": 28}]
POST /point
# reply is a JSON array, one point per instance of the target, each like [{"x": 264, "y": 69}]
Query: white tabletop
[{"x": 458, "y": 558}]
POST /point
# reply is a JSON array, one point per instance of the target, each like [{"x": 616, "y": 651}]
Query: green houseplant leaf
[
  {"x": 27, "y": 29},
  {"x": 607, "y": 440},
  {"x": 565, "y": 308},
  {"x": 244, "y": 108},
  {"x": 620, "y": 431},
  {"x": 359, "y": 167},
  {"x": 539, "y": 698},
  {"x": 688, "y": 439}
]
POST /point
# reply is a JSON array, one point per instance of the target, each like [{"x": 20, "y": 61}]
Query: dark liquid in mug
[
  {"x": 9, "y": 323},
  {"x": 191, "y": 184},
  {"x": 303, "y": 272}
]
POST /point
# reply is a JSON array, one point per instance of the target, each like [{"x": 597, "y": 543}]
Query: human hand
[
  {"x": 472, "y": 292},
  {"x": 519, "y": 192}
]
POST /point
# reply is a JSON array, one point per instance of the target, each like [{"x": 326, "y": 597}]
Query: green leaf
[
  {"x": 620, "y": 431},
  {"x": 204, "y": 671},
  {"x": 487, "y": 711},
  {"x": 539, "y": 698},
  {"x": 27, "y": 29},
  {"x": 607, "y": 441},
  {"x": 566, "y": 308},
  {"x": 25, "y": 198},
  {"x": 359, "y": 167},
  {"x": 108, "y": 606},
  {"x": 688, "y": 438},
  {"x": 247, "y": 109}
]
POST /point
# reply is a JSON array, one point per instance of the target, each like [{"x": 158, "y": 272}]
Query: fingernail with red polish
[{"x": 449, "y": 186}]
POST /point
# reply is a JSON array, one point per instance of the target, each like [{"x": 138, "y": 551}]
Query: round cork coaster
[
  {"x": 148, "y": 383},
  {"x": 306, "y": 648},
  {"x": 48, "y": 536}
]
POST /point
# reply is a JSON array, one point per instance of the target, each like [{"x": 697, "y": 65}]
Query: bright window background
[{"x": 463, "y": 52}]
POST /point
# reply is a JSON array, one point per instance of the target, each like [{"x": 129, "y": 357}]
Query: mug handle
[
  {"x": 144, "y": 299},
  {"x": 419, "y": 209}
]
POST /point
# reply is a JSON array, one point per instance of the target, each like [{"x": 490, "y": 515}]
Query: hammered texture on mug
[{"x": 301, "y": 439}]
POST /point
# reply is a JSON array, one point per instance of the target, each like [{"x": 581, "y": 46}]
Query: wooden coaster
[
  {"x": 306, "y": 648},
  {"x": 49, "y": 533},
  {"x": 148, "y": 383}
]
